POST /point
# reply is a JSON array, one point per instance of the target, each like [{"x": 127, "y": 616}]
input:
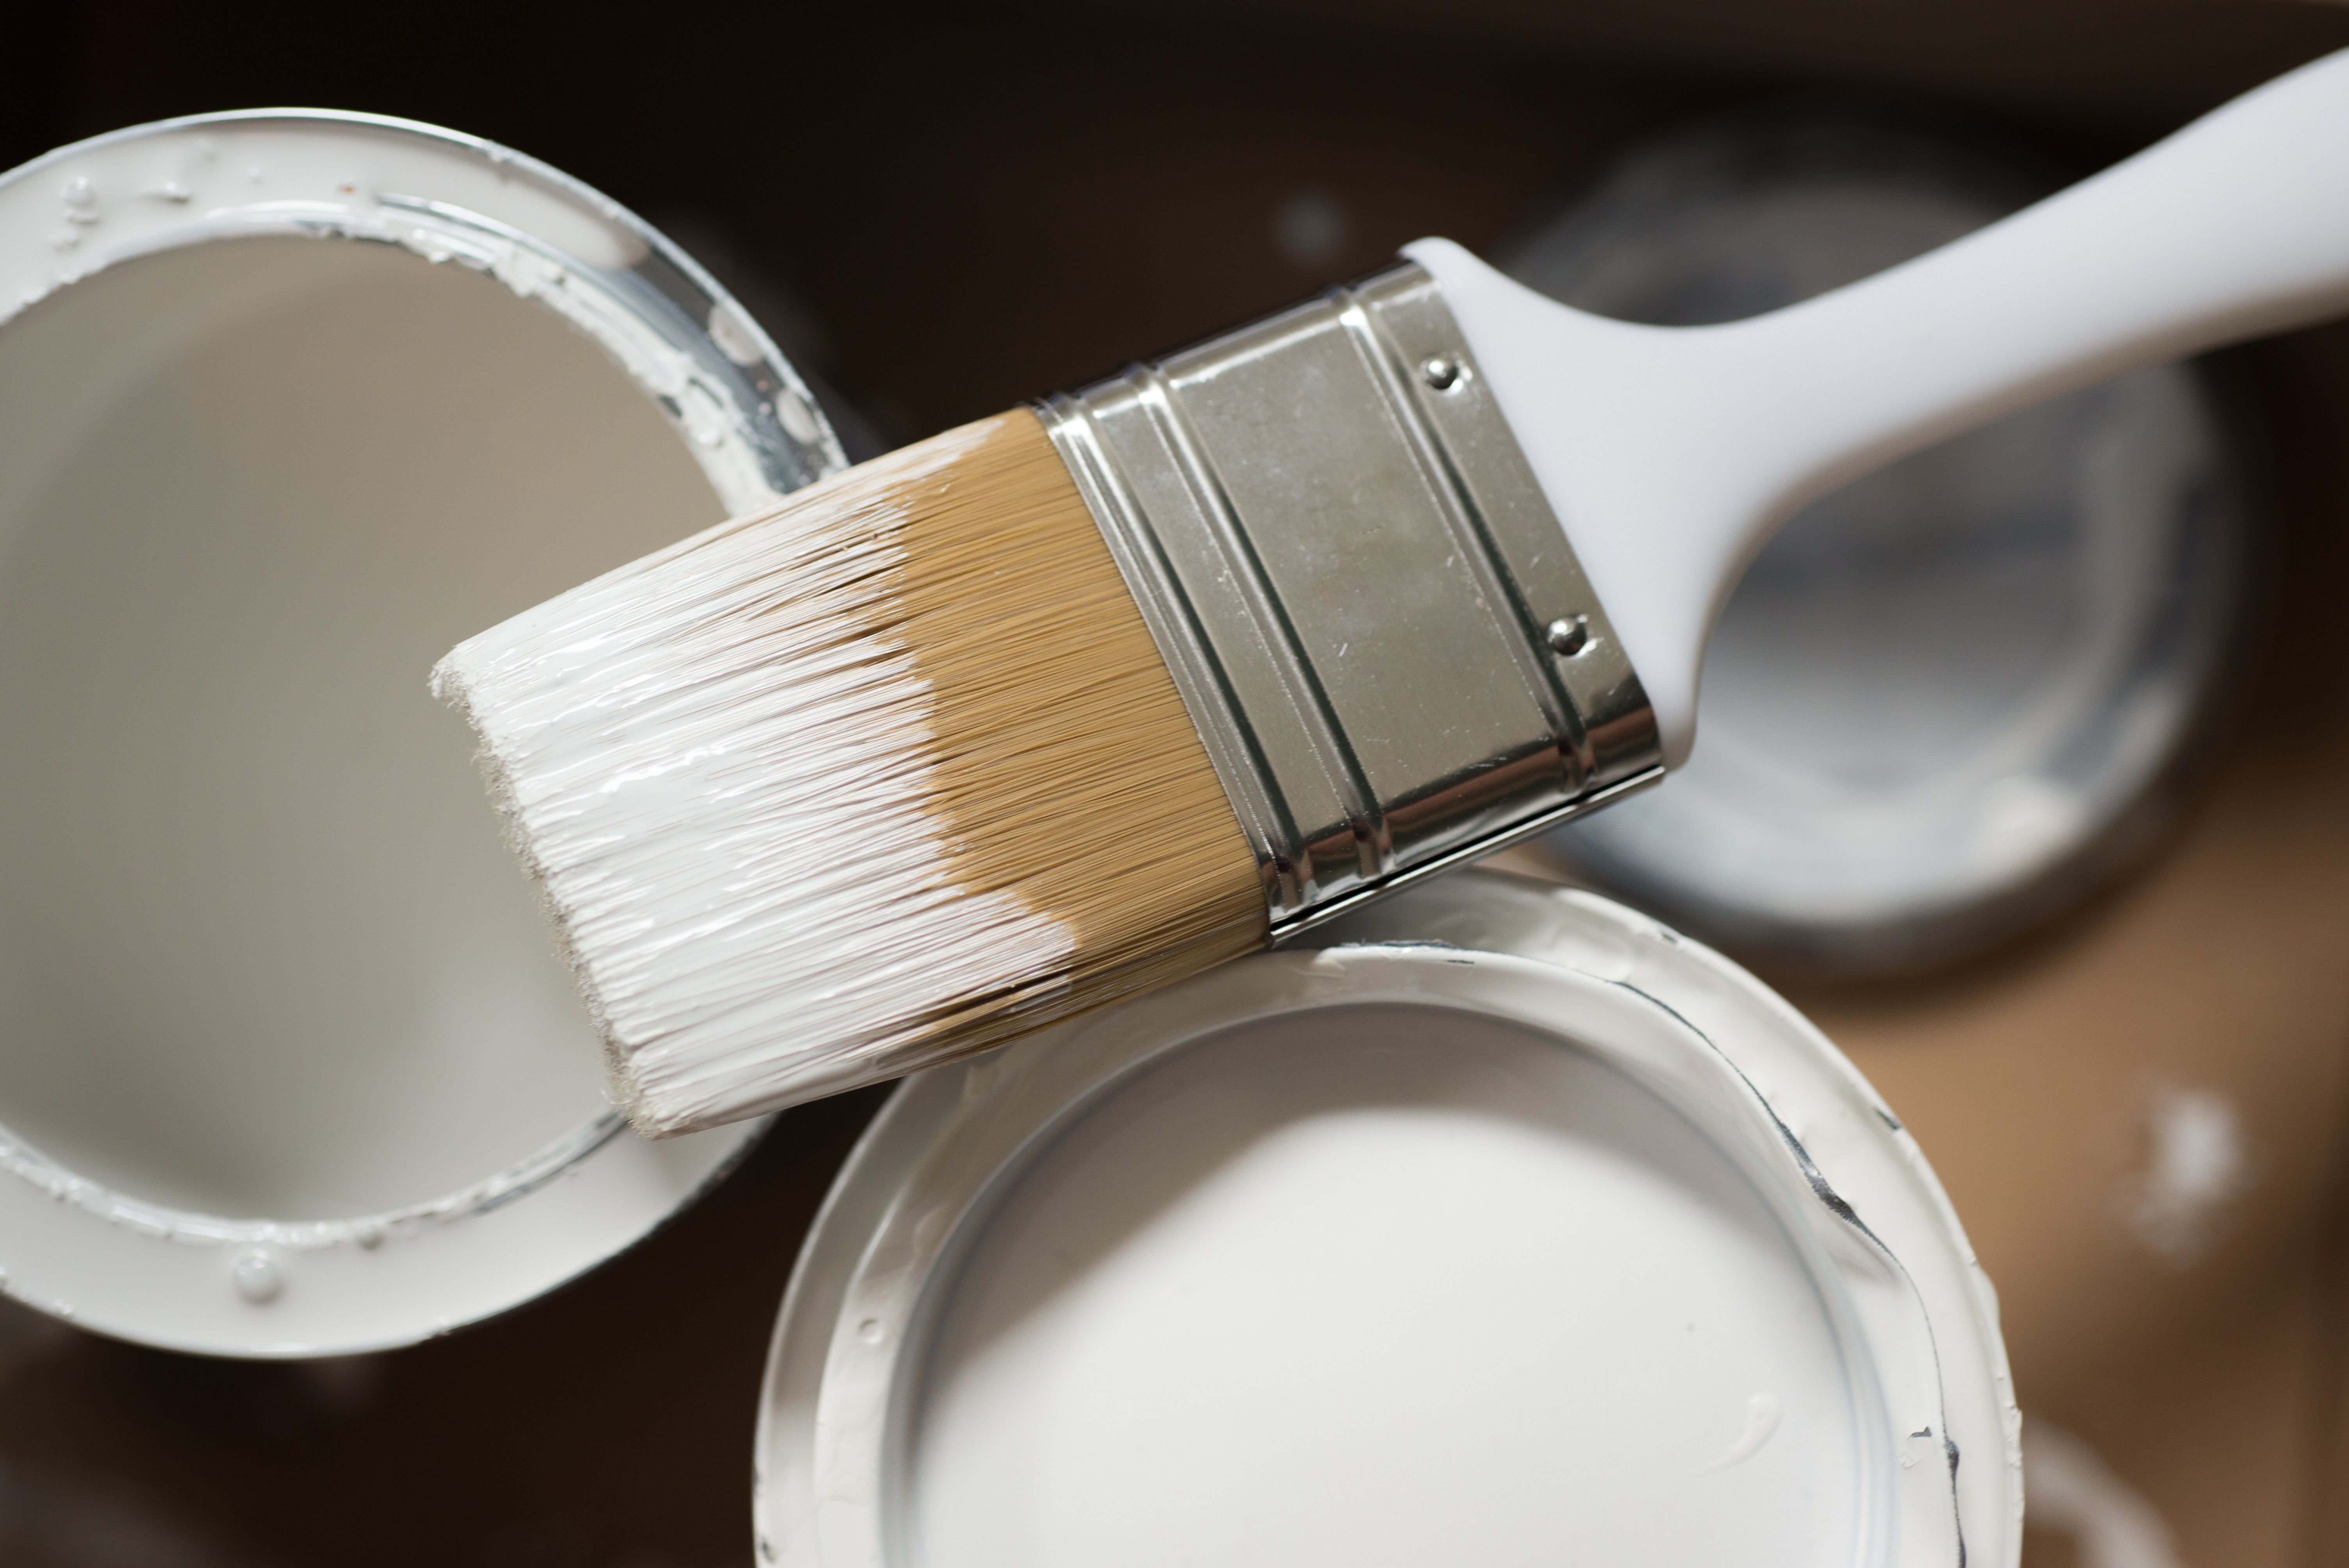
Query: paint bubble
[
  {"x": 257, "y": 1278},
  {"x": 733, "y": 336},
  {"x": 797, "y": 417}
]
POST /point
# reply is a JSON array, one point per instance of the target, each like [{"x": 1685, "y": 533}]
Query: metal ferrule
[{"x": 1373, "y": 613}]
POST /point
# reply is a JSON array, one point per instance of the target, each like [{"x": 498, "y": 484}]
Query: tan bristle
[{"x": 889, "y": 774}]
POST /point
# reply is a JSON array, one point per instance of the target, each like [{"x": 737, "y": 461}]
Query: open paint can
[
  {"x": 1507, "y": 1227},
  {"x": 1956, "y": 696},
  {"x": 291, "y": 402}
]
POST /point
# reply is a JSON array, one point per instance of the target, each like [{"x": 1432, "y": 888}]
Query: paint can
[
  {"x": 1952, "y": 698},
  {"x": 1506, "y": 1226},
  {"x": 290, "y": 402}
]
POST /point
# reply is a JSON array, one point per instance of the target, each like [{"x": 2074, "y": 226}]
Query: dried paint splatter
[{"x": 2198, "y": 1162}]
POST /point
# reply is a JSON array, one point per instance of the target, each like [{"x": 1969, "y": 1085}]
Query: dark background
[
  {"x": 947, "y": 211},
  {"x": 941, "y": 213}
]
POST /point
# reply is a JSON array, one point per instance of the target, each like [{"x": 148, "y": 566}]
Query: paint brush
[{"x": 1078, "y": 700}]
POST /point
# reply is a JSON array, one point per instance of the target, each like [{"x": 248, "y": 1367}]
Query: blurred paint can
[{"x": 1953, "y": 697}]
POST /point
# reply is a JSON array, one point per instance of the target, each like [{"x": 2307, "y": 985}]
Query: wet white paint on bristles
[{"x": 767, "y": 868}]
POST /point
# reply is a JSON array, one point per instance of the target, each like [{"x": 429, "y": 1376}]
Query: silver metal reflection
[{"x": 1360, "y": 588}]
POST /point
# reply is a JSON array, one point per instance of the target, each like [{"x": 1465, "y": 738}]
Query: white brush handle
[{"x": 1672, "y": 453}]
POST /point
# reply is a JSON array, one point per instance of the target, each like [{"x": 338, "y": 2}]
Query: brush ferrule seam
[{"x": 1374, "y": 619}]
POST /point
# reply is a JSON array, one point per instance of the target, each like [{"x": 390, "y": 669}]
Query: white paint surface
[
  {"x": 262, "y": 953},
  {"x": 1381, "y": 1285}
]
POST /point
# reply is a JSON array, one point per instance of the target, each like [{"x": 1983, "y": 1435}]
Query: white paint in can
[
  {"x": 1511, "y": 1229},
  {"x": 287, "y": 1060},
  {"x": 264, "y": 954},
  {"x": 1381, "y": 1286}
]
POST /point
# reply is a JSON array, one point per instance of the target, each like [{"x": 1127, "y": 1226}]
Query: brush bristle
[{"x": 889, "y": 774}]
